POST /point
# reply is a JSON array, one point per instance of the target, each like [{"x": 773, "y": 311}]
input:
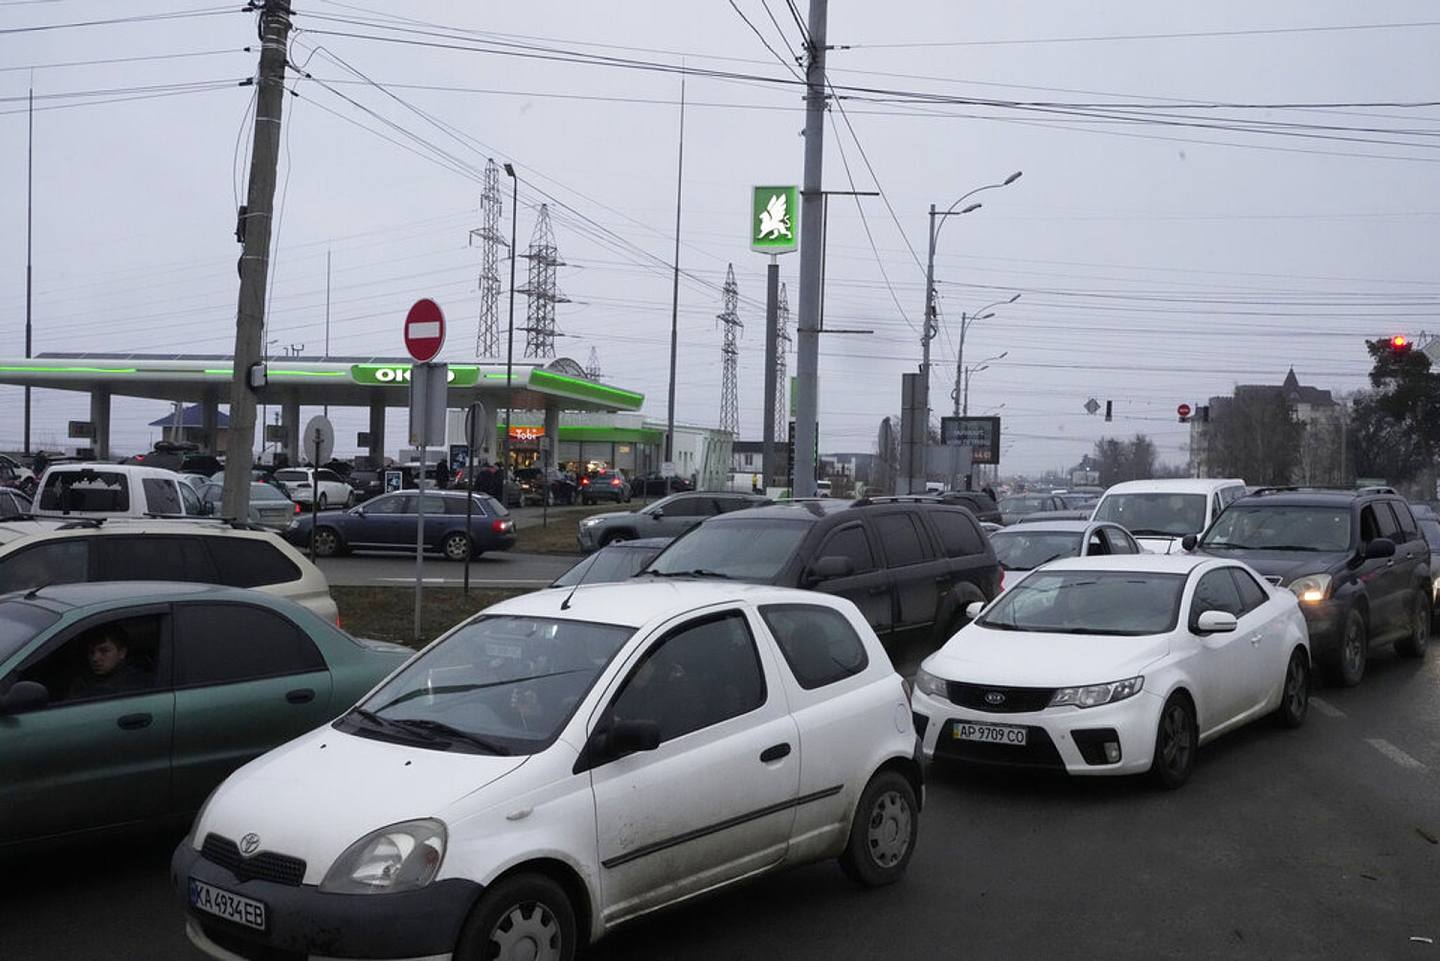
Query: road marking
[
  {"x": 1394, "y": 753},
  {"x": 1326, "y": 708}
]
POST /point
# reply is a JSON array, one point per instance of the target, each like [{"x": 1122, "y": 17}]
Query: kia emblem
[
  {"x": 991, "y": 697},
  {"x": 249, "y": 844}
]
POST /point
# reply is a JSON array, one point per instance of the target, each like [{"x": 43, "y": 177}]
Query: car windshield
[
  {"x": 1155, "y": 514},
  {"x": 19, "y": 622},
  {"x": 293, "y": 476},
  {"x": 615, "y": 563},
  {"x": 1125, "y": 603},
  {"x": 750, "y": 549},
  {"x": 498, "y": 685},
  {"x": 1021, "y": 505},
  {"x": 1276, "y": 527},
  {"x": 1019, "y": 550},
  {"x": 1431, "y": 529}
]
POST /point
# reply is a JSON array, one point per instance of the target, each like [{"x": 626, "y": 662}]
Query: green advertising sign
[
  {"x": 398, "y": 375},
  {"x": 775, "y": 219}
]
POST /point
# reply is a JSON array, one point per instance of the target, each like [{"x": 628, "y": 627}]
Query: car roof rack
[
  {"x": 899, "y": 499},
  {"x": 1298, "y": 489},
  {"x": 80, "y": 523},
  {"x": 1377, "y": 489}
]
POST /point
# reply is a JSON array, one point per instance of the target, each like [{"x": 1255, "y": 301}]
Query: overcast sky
[{"x": 1159, "y": 259}]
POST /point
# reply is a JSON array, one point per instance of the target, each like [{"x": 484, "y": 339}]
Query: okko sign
[{"x": 775, "y": 219}]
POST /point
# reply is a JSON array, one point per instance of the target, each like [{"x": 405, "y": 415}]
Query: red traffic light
[{"x": 1399, "y": 342}]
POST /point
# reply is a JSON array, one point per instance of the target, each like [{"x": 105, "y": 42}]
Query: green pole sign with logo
[{"x": 775, "y": 219}]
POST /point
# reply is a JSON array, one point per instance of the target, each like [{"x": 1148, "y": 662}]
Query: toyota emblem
[
  {"x": 249, "y": 844},
  {"x": 991, "y": 697}
]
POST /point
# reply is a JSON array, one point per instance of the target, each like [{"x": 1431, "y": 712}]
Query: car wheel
[
  {"x": 1419, "y": 639},
  {"x": 324, "y": 502},
  {"x": 587, "y": 501},
  {"x": 1347, "y": 666},
  {"x": 1295, "y": 693},
  {"x": 456, "y": 547},
  {"x": 524, "y": 918},
  {"x": 882, "y": 835},
  {"x": 326, "y": 542},
  {"x": 1176, "y": 740}
]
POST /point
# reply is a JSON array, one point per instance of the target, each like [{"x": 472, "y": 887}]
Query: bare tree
[{"x": 1255, "y": 435}]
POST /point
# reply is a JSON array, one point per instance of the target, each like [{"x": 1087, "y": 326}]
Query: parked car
[
  {"x": 605, "y": 485},
  {"x": 538, "y": 485},
  {"x": 669, "y": 517},
  {"x": 565, "y": 761},
  {"x": 1025, "y": 547},
  {"x": 388, "y": 523},
  {"x": 300, "y": 483},
  {"x": 181, "y": 457},
  {"x": 1115, "y": 665},
  {"x": 490, "y": 479},
  {"x": 1159, "y": 513},
  {"x": 197, "y": 551},
  {"x": 128, "y": 702},
  {"x": 1356, "y": 560},
  {"x": 269, "y": 507},
  {"x": 365, "y": 483},
  {"x": 17, "y": 476},
  {"x": 115, "y": 490},
  {"x": 1430, "y": 529},
  {"x": 1079, "y": 502},
  {"x": 13, "y": 503},
  {"x": 657, "y": 485},
  {"x": 616, "y": 562},
  {"x": 1014, "y": 507},
  {"x": 1046, "y": 517},
  {"x": 197, "y": 481},
  {"x": 978, "y": 503},
  {"x": 911, "y": 567}
]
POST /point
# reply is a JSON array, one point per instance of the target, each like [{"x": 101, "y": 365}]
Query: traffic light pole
[{"x": 807, "y": 351}]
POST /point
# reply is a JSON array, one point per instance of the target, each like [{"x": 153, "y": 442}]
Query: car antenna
[
  {"x": 30, "y": 594},
  {"x": 565, "y": 604}
]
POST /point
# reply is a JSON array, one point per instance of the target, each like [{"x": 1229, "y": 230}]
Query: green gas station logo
[
  {"x": 398, "y": 375},
  {"x": 774, "y": 219}
]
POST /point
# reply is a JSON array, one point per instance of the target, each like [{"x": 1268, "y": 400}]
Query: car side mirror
[
  {"x": 1189, "y": 541},
  {"x": 619, "y": 739},
  {"x": 973, "y": 609},
  {"x": 657, "y": 514},
  {"x": 1379, "y": 548},
  {"x": 831, "y": 567},
  {"x": 1216, "y": 622},
  {"x": 24, "y": 696},
  {"x": 359, "y": 511}
]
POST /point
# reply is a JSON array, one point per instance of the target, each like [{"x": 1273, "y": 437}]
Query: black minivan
[{"x": 911, "y": 567}]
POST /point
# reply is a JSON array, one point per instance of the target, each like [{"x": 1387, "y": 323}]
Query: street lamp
[
  {"x": 984, "y": 313},
  {"x": 930, "y": 328},
  {"x": 510, "y": 333},
  {"x": 971, "y": 371}
]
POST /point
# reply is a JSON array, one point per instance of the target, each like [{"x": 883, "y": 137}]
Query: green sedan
[{"x": 123, "y": 703}]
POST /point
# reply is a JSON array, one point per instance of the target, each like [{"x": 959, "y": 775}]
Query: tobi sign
[{"x": 424, "y": 330}]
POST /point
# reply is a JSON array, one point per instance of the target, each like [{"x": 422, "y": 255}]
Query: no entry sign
[
  {"x": 424, "y": 330},
  {"x": 1183, "y": 410}
]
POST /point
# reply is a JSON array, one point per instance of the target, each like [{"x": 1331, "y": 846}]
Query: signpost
[
  {"x": 394, "y": 481},
  {"x": 774, "y": 219},
  {"x": 320, "y": 444},
  {"x": 980, "y": 435},
  {"x": 424, "y": 333},
  {"x": 474, "y": 422},
  {"x": 1184, "y": 411}
]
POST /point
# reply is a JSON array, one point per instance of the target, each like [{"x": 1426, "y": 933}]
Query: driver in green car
[{"x": 110, "y": 671}]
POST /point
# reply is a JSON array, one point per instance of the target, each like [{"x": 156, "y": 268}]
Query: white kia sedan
[
  {"x": 1115, "y": 665},
  {"x": 558, "y": 764}
]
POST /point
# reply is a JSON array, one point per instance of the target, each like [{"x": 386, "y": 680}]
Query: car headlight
[
  {"x": 1311, "y": 588},
  {"x": 1094, "y": 695},
  {"x": 401, "y": 857},
  {"x": 590, "y": 522},
  {"x": 929, "y": 683}
]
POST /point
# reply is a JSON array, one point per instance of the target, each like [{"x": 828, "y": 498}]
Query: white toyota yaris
[
  {"x": 561, "y": 763},
  {"x": 1115, "y": 665}
]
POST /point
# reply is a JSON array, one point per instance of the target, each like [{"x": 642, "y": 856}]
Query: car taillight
[
  {"x": 584, "y": 482},
  {"x": 339, "y": 621},
  {"x": 297, "y": 508},
  {"x": 499, "y": 527},
  {"x": 615, "y": 482}
]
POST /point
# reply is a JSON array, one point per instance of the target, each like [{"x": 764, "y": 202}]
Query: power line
[
  {"x": 1108, "y": 38},
  {"x": 139, "y": 18}
]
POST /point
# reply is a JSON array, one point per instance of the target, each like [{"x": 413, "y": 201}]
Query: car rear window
[
  {"x": 86, "y": 492},
  {"x": 250, "y": 562},
  {"x": 1022, "y": 550}
]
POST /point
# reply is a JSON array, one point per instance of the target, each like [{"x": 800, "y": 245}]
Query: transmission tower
[
  {"x": 782, "y": 412},
  {"x": 730, "y": 356},
  {"x": 544, "y": 257},
  {"x": 487, "y": 339},
  {"x": 592, "y": 367}
]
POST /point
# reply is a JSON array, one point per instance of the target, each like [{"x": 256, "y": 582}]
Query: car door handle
[
  {"x": 134, "y": 722},
  {"x": 302, "y": 695},
  {"x": 774, "y": 753}
]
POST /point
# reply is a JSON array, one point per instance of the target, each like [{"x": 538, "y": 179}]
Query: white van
[
  {"x": 115, "y": 490},
  {"x": 1159, "y": 513}
]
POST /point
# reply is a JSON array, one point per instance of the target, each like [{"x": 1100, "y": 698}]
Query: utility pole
[
  {"x": 729, "y": 318},
  {"x": 807, "y": 353},
  {"x": 29, "y": 229},
  {"x": 772, "y": 345},
  {"x": 254, "y": 230},
  {"x": 675, "y": 283}
]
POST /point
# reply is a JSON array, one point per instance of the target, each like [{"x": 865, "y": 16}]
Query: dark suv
[
  {"x": 911, "y": 567},
  {"x": 1356, "y": 559}
]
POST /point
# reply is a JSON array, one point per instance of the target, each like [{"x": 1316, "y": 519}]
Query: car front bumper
[
  {"x": 1325, "y": 622},
  {"x": 1054, "y": 736},
  {"x": 588, "y": 539},
  {"x": 303, "y": 923}
]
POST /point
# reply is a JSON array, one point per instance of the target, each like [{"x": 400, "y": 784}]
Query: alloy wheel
[
  {"x": 1176, "y": 743},
  {"x": 325, "y": 542}
]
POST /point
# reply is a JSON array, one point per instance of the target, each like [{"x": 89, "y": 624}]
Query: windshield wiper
[
  {"x": 439, "y": 730},
  {"x": 394, "y": 727},
  {"x": 463, "y": 688},
  {"x": 1229, "y": 544},
  {"x": 1152, "y": 532},
  {"x": 697, "y": 572},
  {"x": 1287, "y": 547}
]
